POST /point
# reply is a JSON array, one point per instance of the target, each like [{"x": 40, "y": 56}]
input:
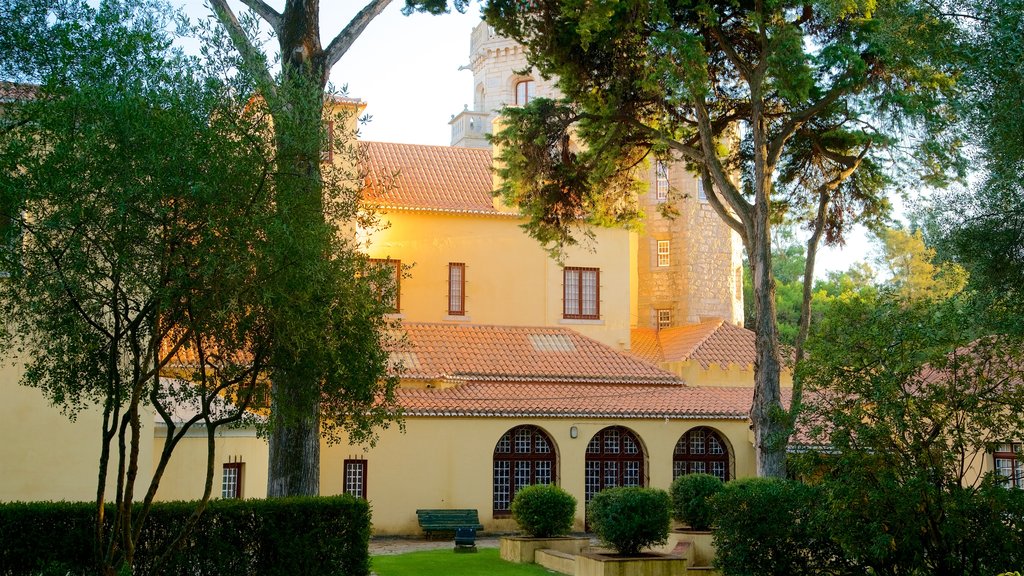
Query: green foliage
[
  {"x": 317, "y": 536},
  {"x": 773, "y": 527},
  {"x": 690, "y": 499},
  {"x": 629, "y": 519},
  {"x": 907, "y": 399},
  {"x": 155, "y": 227},
  {"x": 788, "y": 260},
  {"x": 544, "y": 510}
]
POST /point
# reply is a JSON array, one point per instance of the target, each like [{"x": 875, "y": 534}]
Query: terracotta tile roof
[
  {"x": 533, "y": 399},
  {"x": 434, "y": 178},
  {"x": 709, "y": 342},
  {"x": 16, "y": 91},
  {"x": 518, "y": 354},
  {"x": 643, "y": 343}
]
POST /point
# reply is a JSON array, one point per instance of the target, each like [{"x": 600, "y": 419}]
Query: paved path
[{"x": 388, "y": 545}]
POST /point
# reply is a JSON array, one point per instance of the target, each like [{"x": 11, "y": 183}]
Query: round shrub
[
  {"x": 544, "y": 511},
  {"x": 630, "y": 519},
  {"x": 690, "y": 494}
]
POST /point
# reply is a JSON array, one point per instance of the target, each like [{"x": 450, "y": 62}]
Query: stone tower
[{"x": 688, "y": 267}]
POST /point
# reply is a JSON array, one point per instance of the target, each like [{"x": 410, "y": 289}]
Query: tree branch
[
  {"x": 713, "y": 165},
  {"x": 266, "y": 12},
  {"x": 719, "y": 208},
  {"x": 797, "y": 120},
  {"x": 250, "y": 54},
  {"x": 343, "y": 41}
]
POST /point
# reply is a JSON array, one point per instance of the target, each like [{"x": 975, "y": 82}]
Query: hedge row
[{"x": 315, "y": 536}]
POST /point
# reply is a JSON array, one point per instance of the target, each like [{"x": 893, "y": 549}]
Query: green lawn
[{"x": 447, "y": 563}]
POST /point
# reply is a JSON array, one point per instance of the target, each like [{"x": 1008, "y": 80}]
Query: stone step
[{"x": 558, "y": 561}]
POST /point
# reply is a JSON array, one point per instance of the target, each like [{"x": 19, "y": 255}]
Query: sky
[{"x": 406, "y": 68}]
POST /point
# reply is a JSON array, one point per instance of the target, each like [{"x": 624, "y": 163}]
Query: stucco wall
[
  {"x": 446, "y": 463},
  {"x": 46, "y": 456},
  {"x": 185, "y": 476},
  {"x": 510, "y": 280}
]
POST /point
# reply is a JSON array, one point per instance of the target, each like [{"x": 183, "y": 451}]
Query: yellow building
[{"x": 625, "y": 364}]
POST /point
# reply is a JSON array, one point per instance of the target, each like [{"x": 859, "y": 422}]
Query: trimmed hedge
[
  {"x": 630, "y": 519},
  {"x": 544, "y": 511},
  {"x": 315, "y": 536},
  {"x": 690, "y": 499}
]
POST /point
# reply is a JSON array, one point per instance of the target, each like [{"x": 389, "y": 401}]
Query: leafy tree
[
  {"x": 982, "y": 226},
  {"x": 135, "y": 187},
  {"x": 797, "y": 100},
  {"x": 908, "y": 402},
  {"x": 915, "y": 274},
  {"x": 309, "y": 375}
]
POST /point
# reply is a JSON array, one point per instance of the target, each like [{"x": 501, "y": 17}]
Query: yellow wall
[
  {"x": 185, "y": 476},
  {"x": 509, "y": 279},
  {"x": 46, "y": 456},
  {"x": 715, "y": 375},
  {"x": 446, "y": 463}
]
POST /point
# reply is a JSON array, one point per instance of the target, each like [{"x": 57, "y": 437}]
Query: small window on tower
[
  {"x": 701, "y": 194},
  {"x": 661, "y": 181},
  {"x": 664, "y": 318},
  {"x": 664, "y": 253},
  {"x": 524, "y": 92}
]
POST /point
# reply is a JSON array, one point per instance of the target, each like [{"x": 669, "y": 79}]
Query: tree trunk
[
  {"x": 294, "y": 459},
  {"x": 294, "y": 467},
  {"x": 766, "y": 412}
]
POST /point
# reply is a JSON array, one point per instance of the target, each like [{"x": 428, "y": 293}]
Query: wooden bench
[{"x": 447, "y": 520}]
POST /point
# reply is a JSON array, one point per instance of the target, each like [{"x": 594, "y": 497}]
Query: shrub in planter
[
  {"x": 690, "y": 494},
  {"x": 544, "y": 511},
  {"x": 630, "y": 519}
]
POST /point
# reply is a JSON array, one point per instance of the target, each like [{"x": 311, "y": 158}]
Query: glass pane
[
  {"x": 611, "y": 441},
  {"x": 589, "y": 292},
  {"x": 501, "y": 485},
  {"x": 524, "y": 438},
  {"x": 504, "y": 445}
]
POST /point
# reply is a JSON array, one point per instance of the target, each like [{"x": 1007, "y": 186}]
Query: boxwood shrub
[
  {"x": 690, "y": 494},
  {"x": 315, "y": 536},
  {"x": 544, "y": 511},
  {"x": 630, "y": 519}
]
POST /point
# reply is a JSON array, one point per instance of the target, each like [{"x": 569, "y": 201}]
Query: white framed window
[
  {"x": 664, "y": 318},
  {"x": 581, "y": 293},
  {"x": 661, "y": 181},
  {"x": 1009, "y": 464},
  {"x": 355, "y": 478},
  {"x": 664, "y": 253},
  {"x": 525, "y": 92},
  {"x": 701, "y": 194},
  {"x": 231, "y": 480}
]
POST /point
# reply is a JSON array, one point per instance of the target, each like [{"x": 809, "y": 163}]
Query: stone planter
[
  {"x": 647, "y": 564},
  {"x": 521, "y": 549},
  {"x": 701, "y": 543}
]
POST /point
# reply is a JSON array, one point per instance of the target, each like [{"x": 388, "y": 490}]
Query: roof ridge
[
  {"x": 435, "y": 146},
  {"x": 706, "y": 337}
]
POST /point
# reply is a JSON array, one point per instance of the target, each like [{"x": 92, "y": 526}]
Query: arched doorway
[
  {"x": 524, "y": 456},
  {"x": 615, "y": 457},
  {"x": 701, "y": 450}
]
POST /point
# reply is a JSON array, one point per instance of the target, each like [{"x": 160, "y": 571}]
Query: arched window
[
  {"x": 701, "y": 450},
  {"x": 524, "y": 92},
  {"x": 614, "y": 458},
  {"x": 524, "y": 456}
]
